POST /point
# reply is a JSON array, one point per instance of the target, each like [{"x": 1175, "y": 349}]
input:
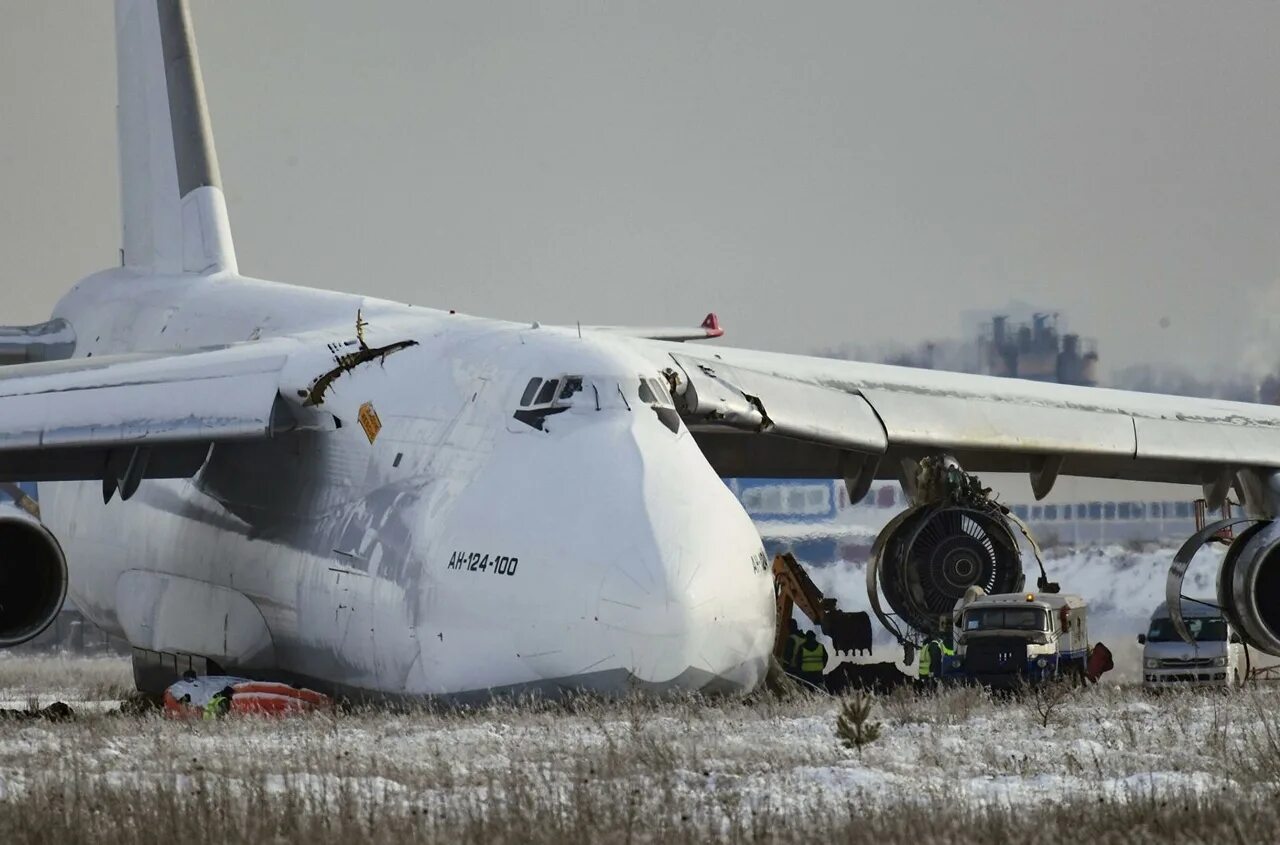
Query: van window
[{"x": 1203, "y": 629}]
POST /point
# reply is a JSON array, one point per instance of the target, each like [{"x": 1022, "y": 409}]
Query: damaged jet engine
[{"x": 954, "y": 537}]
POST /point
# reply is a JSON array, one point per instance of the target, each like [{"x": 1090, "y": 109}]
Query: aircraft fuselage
[{"x": 416, "y": 535}]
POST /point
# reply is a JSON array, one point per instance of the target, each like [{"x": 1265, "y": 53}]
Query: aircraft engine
[
  {"x": 927, "y": 557},
  {"x": 33, "y": 577},
  {"x": 1249, "y": 586}
]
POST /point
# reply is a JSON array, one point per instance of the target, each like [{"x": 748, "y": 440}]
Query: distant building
[
  {"x": 1037, "y": 351},
  {"x": 1033, "y": 350}
]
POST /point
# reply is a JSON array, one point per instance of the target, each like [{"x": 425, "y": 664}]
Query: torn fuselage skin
[{"x": 347, "y": 362}]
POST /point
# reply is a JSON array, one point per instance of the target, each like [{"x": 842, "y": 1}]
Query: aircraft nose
[{"x": 690, "y": 604}]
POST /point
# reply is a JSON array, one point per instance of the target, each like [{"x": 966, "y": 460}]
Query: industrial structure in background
[{"x": 1035, "y": 349}]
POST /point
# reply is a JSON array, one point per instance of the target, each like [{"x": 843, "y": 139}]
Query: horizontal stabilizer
[{"x": 709, "y": 329}]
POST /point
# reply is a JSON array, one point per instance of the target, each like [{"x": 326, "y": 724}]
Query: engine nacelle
[
  {"x": 1249, "y": 586},
  {"x": 926, "y": 558},
  {"x": 33, "y": 577}
]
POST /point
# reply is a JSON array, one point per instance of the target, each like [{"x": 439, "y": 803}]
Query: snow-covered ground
[{"x": 707, "y": 767}]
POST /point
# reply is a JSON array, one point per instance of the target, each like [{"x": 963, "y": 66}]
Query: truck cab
[
  {"x": 1007, "y": 640},
  {"x": 1216, "y": 658}
]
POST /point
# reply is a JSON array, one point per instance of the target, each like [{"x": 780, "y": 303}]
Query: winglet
[{"x": 712, "y": 325}]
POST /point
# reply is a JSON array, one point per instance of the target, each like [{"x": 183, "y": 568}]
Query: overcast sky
[{"x": 817, "y": 173}]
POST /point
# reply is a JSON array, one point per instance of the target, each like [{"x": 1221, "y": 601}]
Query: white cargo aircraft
[{"x": 376, "y": 498}]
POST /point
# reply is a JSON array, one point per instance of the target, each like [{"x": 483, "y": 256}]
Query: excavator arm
[{"x": 850, "y": 631}]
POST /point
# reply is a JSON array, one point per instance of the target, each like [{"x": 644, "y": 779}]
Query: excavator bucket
[{"x": 850, "y": 631}]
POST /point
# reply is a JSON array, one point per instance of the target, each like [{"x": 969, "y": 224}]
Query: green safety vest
[
  {"x": 213, "y": 709},
  {"x": 813, "y": 659},
  {"x": 926, "y": 661}
]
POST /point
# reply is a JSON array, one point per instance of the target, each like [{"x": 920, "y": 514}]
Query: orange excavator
[{"x": 850, "y": 631}]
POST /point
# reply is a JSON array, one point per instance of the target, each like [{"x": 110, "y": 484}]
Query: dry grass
[
  {"x": 1114, "y": 765},
  {"x": 69, "y": 678}
]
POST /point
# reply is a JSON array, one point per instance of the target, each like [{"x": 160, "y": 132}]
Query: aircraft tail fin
[{"x": 173, "y": 211}]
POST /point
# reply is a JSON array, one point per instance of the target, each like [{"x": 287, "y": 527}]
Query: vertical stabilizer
[{"x": 173, "y": 211}]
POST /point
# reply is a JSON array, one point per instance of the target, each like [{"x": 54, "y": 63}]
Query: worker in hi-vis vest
[
  {"x": 791, "y": 648},
  {"x": 220, "y": 704},
  {"x": 932, "y": 658},
  {"x": 812, "y": 659}
]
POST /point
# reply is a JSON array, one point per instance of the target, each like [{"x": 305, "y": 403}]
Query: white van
[{"x": 1216, "y": 658}]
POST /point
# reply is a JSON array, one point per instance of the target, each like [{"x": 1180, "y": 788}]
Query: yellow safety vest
[
  {"x": 926, "y": 662},
  {"x": 213, "y": 709},
  {"x": 813, "y": 659}
]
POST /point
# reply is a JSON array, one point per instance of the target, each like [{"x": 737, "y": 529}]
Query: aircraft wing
[
  {"x": 128, "y": 417},
  {"x": 761, "y": 414}
]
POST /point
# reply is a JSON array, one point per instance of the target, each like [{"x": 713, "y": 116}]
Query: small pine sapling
[{"x": 853, "y": 727}]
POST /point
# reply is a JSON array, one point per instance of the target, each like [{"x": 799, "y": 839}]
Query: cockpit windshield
[{"x": 590, "y": 394}]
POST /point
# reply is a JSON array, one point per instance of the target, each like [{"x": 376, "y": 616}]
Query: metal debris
[{"x": 349, "y": 361}]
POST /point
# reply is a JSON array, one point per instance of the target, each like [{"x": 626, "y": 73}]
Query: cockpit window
[
  {"x": 530, "y": 391},
  {"x": 572, "y": 385},
  {"x": 591, "y": 394},
  {"x": 653, "y": 394},
  {"x": 548, "y": 392}
]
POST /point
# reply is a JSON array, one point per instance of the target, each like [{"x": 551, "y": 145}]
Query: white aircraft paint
[
  {"x": 608, "y": 554},
  {"x": 352, "y": 493}
]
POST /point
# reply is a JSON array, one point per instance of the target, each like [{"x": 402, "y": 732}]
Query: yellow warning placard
[{"x": 369, "y": 421}]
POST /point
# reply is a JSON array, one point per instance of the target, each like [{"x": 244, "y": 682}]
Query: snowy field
[{"x": 1107, "y": 763}]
